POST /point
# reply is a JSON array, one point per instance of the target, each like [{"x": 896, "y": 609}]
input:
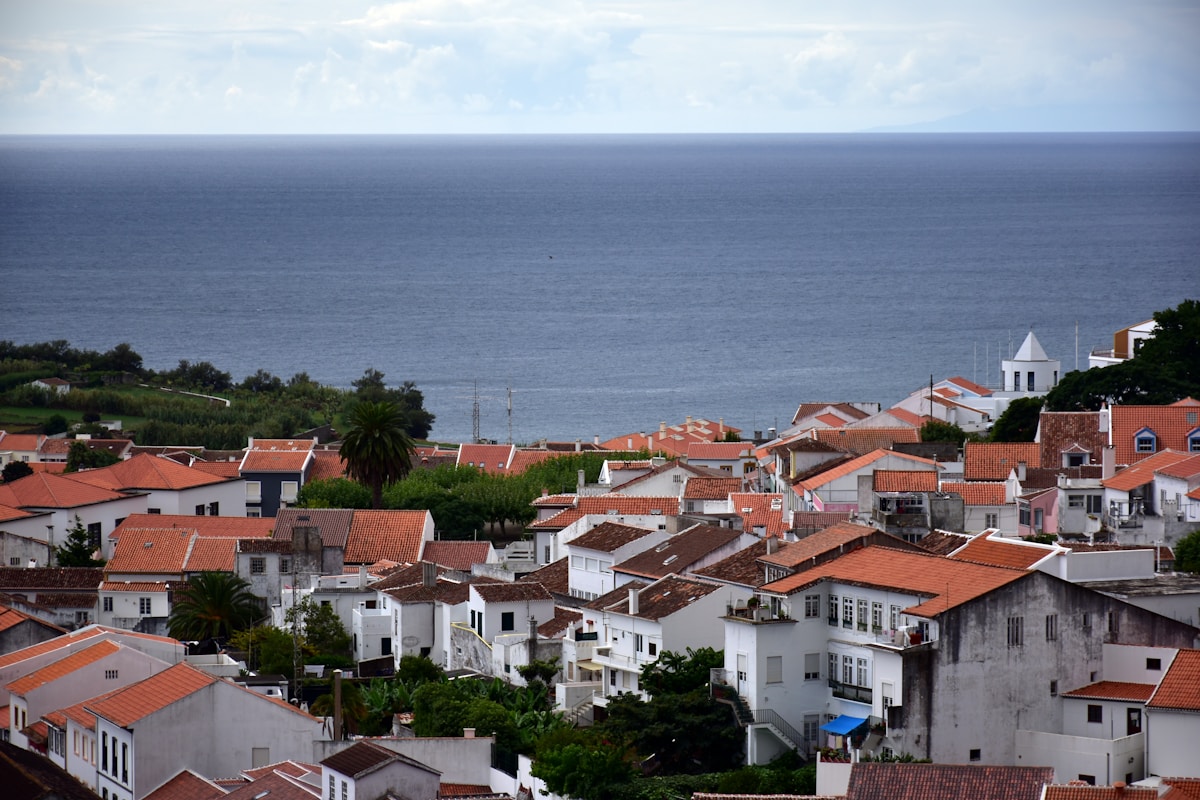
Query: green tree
[
  {"x": 1019, "y": 422},
  {"x": 354, "y": 710},
  {"x": 80, "y": 456},
  {"x": 1187, "y": 553},
  {"x": 935, "y": 430},
  {"x": 323, "y": 629},
  {"x": 678, "y": 673},
  {"x": 417, "y": 670},
  {"x": 581, "y": 764},
  {"x": 686, "y": 733},
  {"x": 54, "y": 424},
  {"x": 15, "y": 470},
  {"x": 269, "y": 650},
  {"x": 376, "y": 449},
  {"x": 213, "y": 605},
  {"x": 334, "y": 493},
  {"x": 79, "y": 549}
]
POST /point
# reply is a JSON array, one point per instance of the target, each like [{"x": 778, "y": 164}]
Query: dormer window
[
  {"x": 1145, "y": 441},
  {"x": 1193, "y": 440}
]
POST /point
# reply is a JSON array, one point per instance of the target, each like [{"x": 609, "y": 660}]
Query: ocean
[{"x": 609, "y": 282}]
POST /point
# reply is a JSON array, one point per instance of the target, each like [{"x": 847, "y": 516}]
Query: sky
[{"x": 596, "y": 66}]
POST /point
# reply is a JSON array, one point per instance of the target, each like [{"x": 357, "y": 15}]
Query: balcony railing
[{"x": 847, "y": 691}]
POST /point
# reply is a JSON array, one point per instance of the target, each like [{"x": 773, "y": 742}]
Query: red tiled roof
[
  {"x": 21, "y": 441},
  {"x": 845, "y": 412},
  {"x": 998, "y": 551},
  {"x": 222, "y": 469},
  {"x": 1070, "y": 432},
  {"x": 8, "y": 513},
  {"x": 856, "y": 464},
  {"x": 276, "y": 786},
  {"x": 1188, "y": 468},
  {"x": 275, "y": 461},
  {"x": 554, "y": 576},
  {"x": 213, "y": 555},
  {"x": 711, "y": 488},
  {"x": 977, "y": 493},
  {"x": 662, "y": 598},
  {"x": 607, "y": 537},
  {"x": 140, "y": 700},
  {"x": 872, "y": 781},
  {"x": 63, "y": 667},
  {"x": 1179, "y": 689},
  {"x": 326, "y": 464},
  {"x": 146, "y": 472},
  {"x": 970, "y": 386},
  {"x": 835, "y": 537},
  {"x": 1142, "y": 472},
  {"x": 493, "y": 459},
  {"x": 208, "y": 527},
  {"x": 719, "y": 451},
  {"x": 1181, "y": 788},
  {"x": 896, "y": 480},
  {"x": 861, "y": 441},
  {"x": 395, "y": 535},
  {"x": 1114, "y": 690},
  {"x": 1073, "y": 791},
  {"x": 456, "y": 555},
  {"x": 741, "y": 568},
  {"x": 945, "y": 582},
  {"x": 154, "y": 550},
  {"x": 187, "y": 785},
  {"x": 133, "y": 586},
  {"x": 678, "y": 553},
  {"x": 464, "y": 789},
  {"x": 511, "y": 591},
  {"x": 563, "y": 619},
  {"x": 765, "y": 511},
  {"x": 1170, "y": 424},
  {"x": 42, "y": 578},
  {"x": 613, "y": 504},
  {"x": 524, "y": 459},
  {"x": 44, "y": 490},
  {"x": 73, "y": 639},
  {"x": 993, "y": 461}
]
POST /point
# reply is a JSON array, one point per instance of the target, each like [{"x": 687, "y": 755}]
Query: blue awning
[{"x": 843, "y": 724}]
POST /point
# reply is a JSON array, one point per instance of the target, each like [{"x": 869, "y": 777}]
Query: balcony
[
  {"x": 847, "y": 691},
  {"x": 758, "y": 612}
]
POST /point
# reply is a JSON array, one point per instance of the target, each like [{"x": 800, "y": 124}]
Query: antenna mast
[{"x": 475, "y": 415}]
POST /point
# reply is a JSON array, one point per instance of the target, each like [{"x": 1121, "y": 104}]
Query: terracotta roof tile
[
  {"x": 1114, "y": 690},
  {"x": 876, "y": 781},
  {"x": 998, "y": 551},
  {"x": 140, "y": 700},
  {"x": 856, "y": 464},
  {"x": 187, "y": 785},
  {"x": 678, "y": 553},
  {"x": 1170, "y": 425},
  {"x": 506, "y": 592},
  {"x": 208, "y": 527},
  {"x": 457, "y": 555},
  {"x": 73, "y": 639},
  {"x": 1077, "y": 792},
  {"x": 1142, "y": 472},
  {"x": 806, "y": 523},
  {"x": 524, "y": 459},
  {"x": 861, "y": 441},
  {"x": 1070, "y": 431},
  {"x": 44, "y": 490},
  {"x": 275, "y": 461},
  {"x": 221, "y": 469},
  {"x": 1181, "y": 788},
  {"x": 945, "y": 583},
  {"x": 395, "y": 535},
  {"x": 844, "y": 411},
  {"x": 977, "y": 493},
  {"x": 146, "y": 472},
  {"x": 151, "y": 550},
  {"x": 21, "y": 441},
  {"x": 969, "y": 386},
  {"x": 719, "y": 451},
  {"x": 741, "y": 568},
  {"x": 134, "y": 586},
  {"x": 333, "y": 523},
  {"x": 327, "y": 464},
  {"x": 44, "y": 578},
  {"x": 661, "y": 598},
  {"x": 894, "y": 480},
  {"x": 607, "y": 537},
  {"x": 264, "y": 545},
  {"x": 276, "y": 786},
  {"x": 711, "y": 488},
  {"x": 554, "y": 576},
  {"x": 835, "y": 537},
  {"x": 364, "y": 757},
  {"x": 63, "y": 667},
  {"x": 444, "y": 591},
  {"x": 1179, "y": 688},
  {"x": 213, "y": 555},
  {"x": 765, "y": 512},
  {"x": 564, "y": 619},
  {"x": 993, "y": 461},
  {"x": 1188, "y": 468},
  {"x": 493, "y": 459}
]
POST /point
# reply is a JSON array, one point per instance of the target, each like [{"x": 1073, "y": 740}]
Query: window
[
  {"x": 833, "y": 609},
  {"x": 847, "y": 612},
  {"x": 507, "y": 621},
  {"x": 812, "y": 605},
  {"x": 1029, "y": 382},
  {"x": 1154, "y": 663},
  {"x": 812, "y": 666},
  {"x": 124, "y": 763},
  {"x": 976, "y": 754},
  {"x": 82, "y": 617},
  {"x": 385, "y": 646},
  {"x": 1074, "y": 501},
  {"x": 153, "y": 510},
  {"x": 1193, "y": 440},
  {"x": 1016, "y": 631},
  {"x": 1023, "y": 517},
  {"x": 877, "y": 617},
  {"x": 93, "y": 533},
  {"x": 1086, "y": 621},
  {"x": 14, "y": 561},
  {"x": 848, "y": 669},
  {"x": 863, "y": 679},
  {"x": 612, "y": 677},
  {"x": 200, "y": 510},
  {"x": 345, "y": 791},
  {"x": 1133, "y": 721},
  {"x": 258, "y": 566},
  {"x": 833, "y": 666},
  {"x": 214, "y": 509},
  {"x": 862, "y": 615},
  {"x": 1016, "y": 380},
  {"x": 110, "y": 674},
  {"x": 144, "y": 606},
  {"x": 1095, "y": 713},
  {"x": 1054, "y": 688},
  {"x": 1145, "y": 441},
  {"x": 991, "y": 520},
  {"x": 288, "y": 491},
  {"x": 653, "y": 649},
  {"x": 639, "y": 643},
  {"x": 1052, "y": 627},
  {"x": 1113, "y": 622},
  {"x": 253, "y": 491},
  {"x": 1095, "y": 504},
  {"x": 1090, "y": 780},
  {"x": 1039, "y": 516},
  {"x": 331, "y": 787},
  {"x": 774, "y": 669},
  {"x": 285, "y": 565},
  {"x": 894, "y": 617}
]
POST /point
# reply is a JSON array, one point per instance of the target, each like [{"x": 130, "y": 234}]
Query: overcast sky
[{"x": 495, "y": 66}]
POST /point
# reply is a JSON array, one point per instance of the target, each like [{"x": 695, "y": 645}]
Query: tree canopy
[
  {"x": 212, "y": 605},
  {"x": 1019, "y": 422},
  {"x": 79, "y": 549},
  {"x": 376, "y": 449},
  {"x": 1187, "y": 553}
]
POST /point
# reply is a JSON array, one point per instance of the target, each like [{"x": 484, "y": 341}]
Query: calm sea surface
[{"x": 611, "y": 282}]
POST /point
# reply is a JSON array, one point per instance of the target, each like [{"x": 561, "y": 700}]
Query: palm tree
[
  {"x": 376, "y": 449},
  {"x": 213, "y": 605}
]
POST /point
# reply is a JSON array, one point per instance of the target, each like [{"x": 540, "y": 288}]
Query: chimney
[
  {"x": 577, "y": 446},
  {"x": 428, "y": 574},
  {"x": 579, "y": 480},
  {"x": 468, "y": 733},
  {"x": 633, "y": 600},
  {"x": 772, "y": 545},
  {"x": 662, "y": 431},
  {"x": 1021, "y": 470},
  {"x": 533, "y": 638},
  {"x": 721, "y": 427},
  {"x": 629, "y": 443},
  {"x": 596, "y": 439},
  {"x": 689, "y": 423},
  {"x": 1119, "y": 788},
  {"x": 362, "y": 576},
  {"x": 1108, "y": 462}
]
